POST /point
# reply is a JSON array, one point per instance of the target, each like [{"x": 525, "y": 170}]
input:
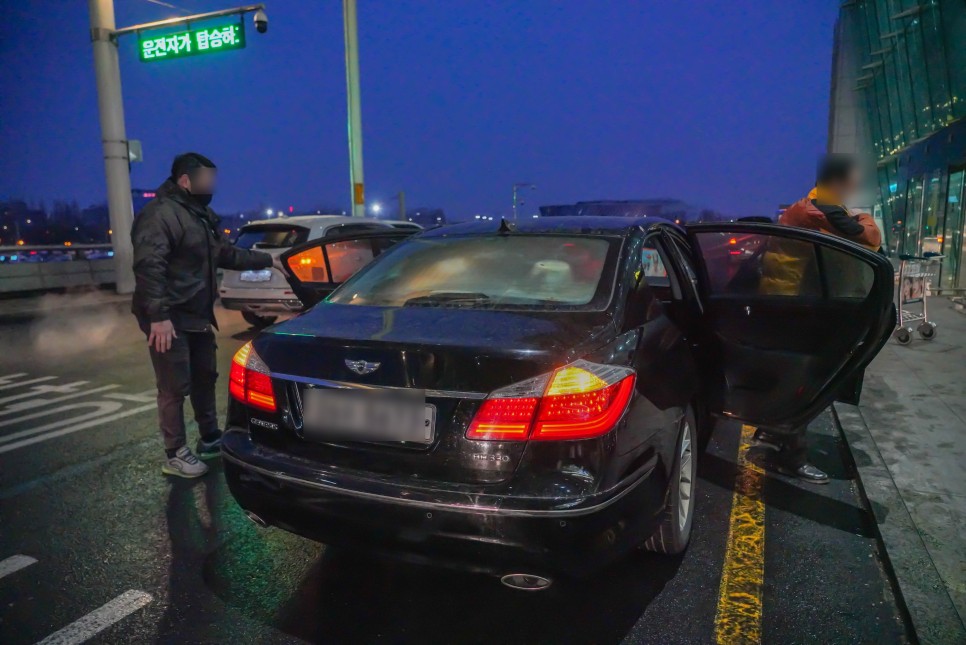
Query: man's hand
[
  {"x": 277, "y": 264},
  {"x": 161, "y": 336}
]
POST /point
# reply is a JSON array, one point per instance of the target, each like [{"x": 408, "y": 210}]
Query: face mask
[{"x": 202, "y": 199}]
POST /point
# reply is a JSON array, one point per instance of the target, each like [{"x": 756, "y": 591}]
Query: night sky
[{"x": 721, "y": 103}]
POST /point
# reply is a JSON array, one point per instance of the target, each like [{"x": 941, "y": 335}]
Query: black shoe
[
  {"x": 209, "y": 449},
  {"x": 806, "y": 472}
]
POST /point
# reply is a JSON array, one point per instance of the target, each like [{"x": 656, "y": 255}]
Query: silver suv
[{"x": 262, "y": 295}]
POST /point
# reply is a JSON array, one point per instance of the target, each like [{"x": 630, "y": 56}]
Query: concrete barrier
[{"x": 39, "y": 276}]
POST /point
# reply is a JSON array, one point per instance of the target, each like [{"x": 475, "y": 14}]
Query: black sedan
[{"x": 530, "y": 400}]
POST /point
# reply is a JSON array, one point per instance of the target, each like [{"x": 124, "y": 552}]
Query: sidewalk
[{"x": 908, "y": 439}]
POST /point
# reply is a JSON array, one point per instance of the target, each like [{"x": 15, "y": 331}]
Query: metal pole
[
  {"x": 402, "y": 205},
  {"x": 108, "y": 74},
  {"x": 354, "y": 108},
  {"x": 514, "y": 202}
]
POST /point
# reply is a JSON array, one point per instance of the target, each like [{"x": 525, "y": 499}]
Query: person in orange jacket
[
  {"x": 823, "y": 210},
  {"x": 784, "y": 269}
]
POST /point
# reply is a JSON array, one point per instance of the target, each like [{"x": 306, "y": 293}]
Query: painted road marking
[
  {"x": 100, "y": 408},
  {"x": 70, "y": 388},
  {"x": 7, "y": 384},
  {"x": 31, "y": 405},
  {"x": 147, "y": 396},
  {"x": 738, "y": 619},
  {"x": 15, "y": 563},
  {"x": 100, "y": 619},
  {"x": 36, "y": 403},
  {"x": 82, "y": 426}
]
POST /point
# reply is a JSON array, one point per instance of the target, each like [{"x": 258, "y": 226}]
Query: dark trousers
[
  {"x": 188, "y": 369},
  {"x": 793, "y": 446}
]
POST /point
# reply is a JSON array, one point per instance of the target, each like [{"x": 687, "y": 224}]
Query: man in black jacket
[{"x": 178, "y": 248}]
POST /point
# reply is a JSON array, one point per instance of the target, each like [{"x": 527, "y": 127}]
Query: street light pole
[
  {"x": 354, "y": 105},
  {"x": 114, "y": 139},
  {"x": 402, "y": 205}
]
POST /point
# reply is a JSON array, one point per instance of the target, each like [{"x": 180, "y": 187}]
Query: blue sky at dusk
[{"x": 721, "y": 103}]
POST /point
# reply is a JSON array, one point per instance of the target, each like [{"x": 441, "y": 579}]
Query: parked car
[
  {"x": 529, "y": 400},
  {"x": 261, "y": 296}
]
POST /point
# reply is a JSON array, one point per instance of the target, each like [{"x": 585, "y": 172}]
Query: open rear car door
[
  {"x": 316, "y": 268},
  {"x": 791, "y": 318}
]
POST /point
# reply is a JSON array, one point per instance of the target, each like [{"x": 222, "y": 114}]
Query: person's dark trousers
[
  {"x": 792, "y": 447},
  {"x": 188, "y": 369}
]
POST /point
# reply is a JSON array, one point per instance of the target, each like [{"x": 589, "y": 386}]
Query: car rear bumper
[
  {"x": 262, "y": 305},
  {"x": 478, "y": 532}
]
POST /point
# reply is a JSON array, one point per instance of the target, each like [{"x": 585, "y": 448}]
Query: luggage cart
[{"x": 911, "y": 287}]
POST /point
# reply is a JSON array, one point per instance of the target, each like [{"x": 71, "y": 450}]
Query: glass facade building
[{"x": 899, "y": 98}]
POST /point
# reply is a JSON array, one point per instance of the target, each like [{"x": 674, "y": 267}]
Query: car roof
[
  {"x": 313, "y": 221},
  {"x": 572, "y": 225}
]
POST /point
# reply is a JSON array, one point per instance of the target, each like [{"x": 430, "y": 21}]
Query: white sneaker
[{"x": 184, "y": 464}]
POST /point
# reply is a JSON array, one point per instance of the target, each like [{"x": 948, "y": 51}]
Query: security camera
[{"x": 261, "y": 21}]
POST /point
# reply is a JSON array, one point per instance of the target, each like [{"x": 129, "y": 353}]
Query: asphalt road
[{"x": 92, "y": 537}]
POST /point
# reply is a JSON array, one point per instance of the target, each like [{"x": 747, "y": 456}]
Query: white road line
[
  {"x": 15, "y": 563},
  {"x": 100, "y": 619},
  {"x": 69, "y": 388},
  {"x": 30, "y": 382},
  {"x": 7, "y": 377},
  {"x": 102, "y": 408},
  {"x": 141, "y": 397},
  {"x": 36, "y": 403},
  {"x": 59, "y": 433}
]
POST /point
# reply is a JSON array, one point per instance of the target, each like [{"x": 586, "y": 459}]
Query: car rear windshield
[
  {"x": 493, "y": 272},
  {"x": 271, "y": 237}
]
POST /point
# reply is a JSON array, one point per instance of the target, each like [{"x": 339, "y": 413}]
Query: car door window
[
  {"x": 789, "y": 317},
  {"x": 742, "y": 264},
  {"x": 345, "y": 258}
]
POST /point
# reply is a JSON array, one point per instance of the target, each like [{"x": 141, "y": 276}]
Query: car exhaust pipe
[
  {"x": 256, "y": 519},
  {"x": 526, "y": 582}
]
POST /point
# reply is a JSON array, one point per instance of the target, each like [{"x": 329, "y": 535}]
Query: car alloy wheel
[
  {"x": 685, "y": 476},
  {"x": 674, "y": 531}
]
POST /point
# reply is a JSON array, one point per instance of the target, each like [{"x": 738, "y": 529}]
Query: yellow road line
[{"x": 739, "y": 599}]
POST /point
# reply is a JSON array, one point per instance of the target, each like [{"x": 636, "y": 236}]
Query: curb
[{"x": 918, "y": 585}]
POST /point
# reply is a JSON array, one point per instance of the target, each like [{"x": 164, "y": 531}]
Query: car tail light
[
  {"x": 249, "y": 381},
  {"x": 579, "y": 401}
]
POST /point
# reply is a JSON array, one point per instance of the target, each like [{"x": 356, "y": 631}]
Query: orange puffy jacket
[{"x": 807, "y": 214}]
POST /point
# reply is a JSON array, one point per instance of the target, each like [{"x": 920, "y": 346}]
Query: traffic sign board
[{"x": 204, "y": 40}]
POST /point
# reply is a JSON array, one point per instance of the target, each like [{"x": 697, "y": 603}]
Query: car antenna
[{"x": 506, "y": 227}]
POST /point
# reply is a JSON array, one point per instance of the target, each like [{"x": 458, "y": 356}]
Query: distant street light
[
  {"x": 516, "y": 187},
  {"x": 269, "y": 212},
  {"x": 376, "y": 208}
]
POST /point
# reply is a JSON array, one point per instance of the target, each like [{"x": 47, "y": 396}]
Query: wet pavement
[
  {"x": 907, "y": 438},
  {"x": 147, "y": 559}
]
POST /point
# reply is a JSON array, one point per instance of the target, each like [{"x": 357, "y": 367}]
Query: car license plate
[
  {"x": 256, "y": 276},
  {"x": 368, "y": 415}
]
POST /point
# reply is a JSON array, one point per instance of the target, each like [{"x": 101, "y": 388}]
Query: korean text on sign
[
  {"x": 165, "y": 45},
  {"x": 216, "y": 38}
]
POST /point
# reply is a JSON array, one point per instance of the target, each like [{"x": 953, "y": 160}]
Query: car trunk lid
[{"x": 454, "y": 356}]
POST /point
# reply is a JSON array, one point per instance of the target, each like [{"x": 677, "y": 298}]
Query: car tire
[
  {"x": 257, "y": 321},
  {"x": 674, "y": 531}
]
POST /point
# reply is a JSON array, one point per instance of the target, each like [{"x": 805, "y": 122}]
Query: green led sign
[{"x": 191, "y": 43}]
